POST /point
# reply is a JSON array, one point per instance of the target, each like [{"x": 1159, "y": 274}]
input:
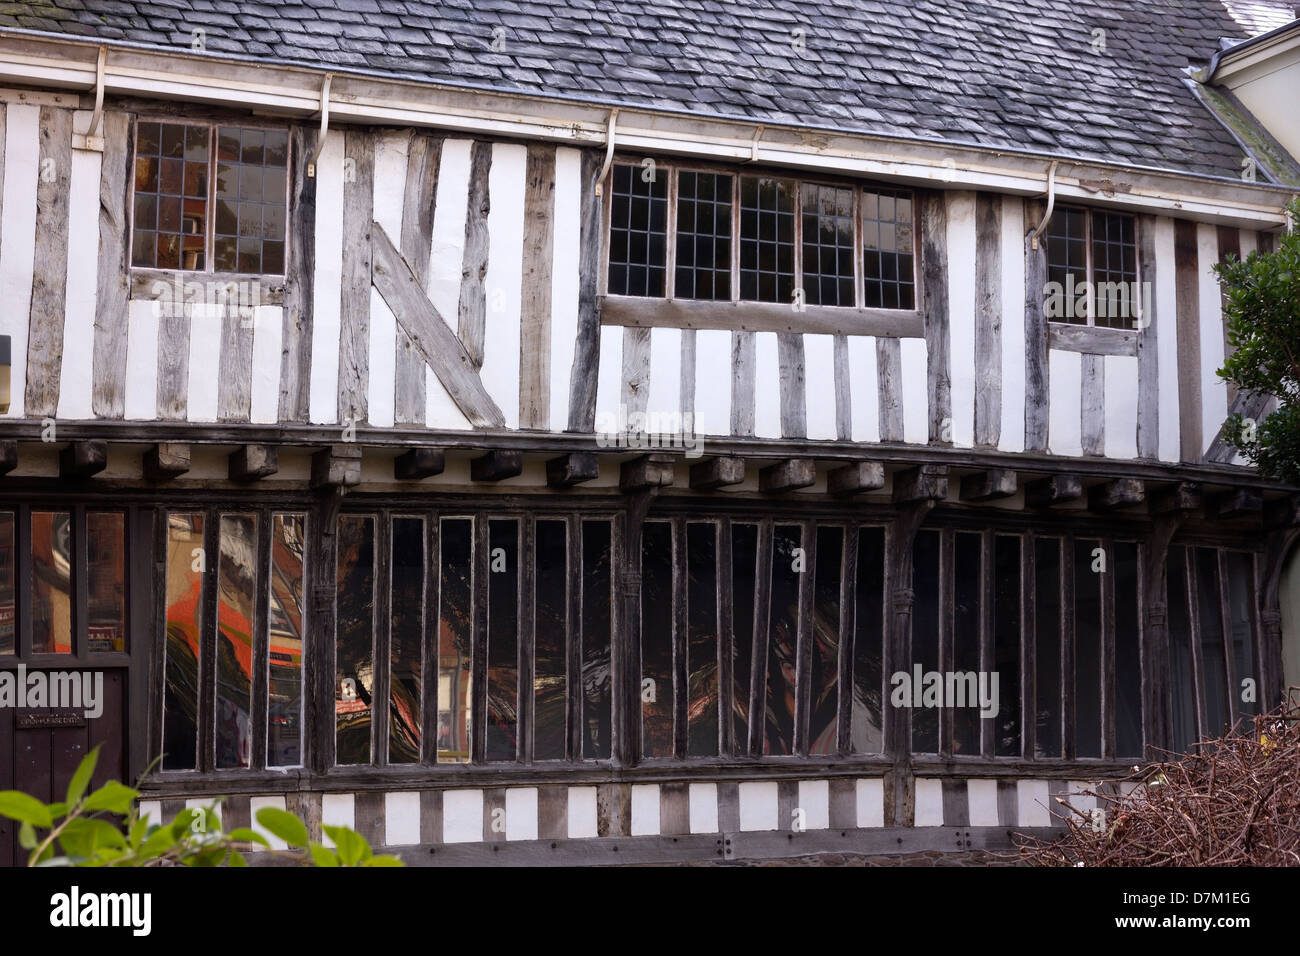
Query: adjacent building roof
[{"x": 1094, "y": 79}]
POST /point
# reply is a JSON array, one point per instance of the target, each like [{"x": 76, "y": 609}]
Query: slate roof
[{"x": 1020, "y": 74}]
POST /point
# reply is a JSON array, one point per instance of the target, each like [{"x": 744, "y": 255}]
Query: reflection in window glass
[
  {"x": 744, "y": 555},
  {"x": 925, "y": 635},
  {"x": 597, "y": 601},
  {"x": 285, "y": 643},
  {"x": 1240, "y": 588},
  {"x": 824, "y": 697},
  {"x": 251, "y": 193},
  {"x": 657, "y": 639},
  {"x": 8, "y": 597},
  {"x": 1128, "y": 653},
  {"x": 788, "y": 562},
  {"x": 455, "y": 640},
  {"x": 170, "y": 216},
  {"x": 869, "y": 643},
  {"x": 1087, "y": 650},
  {"x": 354, "y": 647},
  {"x": 106, "y": 580},
  {"x": 1006, "y": 643},
  {"x": 702, "y": 645},
  {"x": 967, "y": 601},
  {"x": 1214, "y": 673},
  {"x": 828, "y": 245},
  {"x": 766, "y": 239},
  {"x": 51, "y": 582},
  {"x": 184, "y": 587},
  {"x": 1047, "y": 647},
  {"x": 503, "y": 641},
  {"x": 888, "y": 255},
  {"x": 406, "y": 641},
  {"x": 236, "y": 590},
  {"x": 1181, "y": 680},
  {"x": 550, "y": 668}
]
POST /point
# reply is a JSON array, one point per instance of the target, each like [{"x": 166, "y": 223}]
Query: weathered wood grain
[
  {"x": 988, "y": 319},
  {"x": 535, "y": 313},
  {"x": 743, "y": 364},
  {"x": 50, "y": 275},
  {"x": 630, "y": 310},
  {"x": 108, "y": 385},
  {"x": 429, "y": 333},
  {"x": 1229, "y": 241},
  {"x": 174, "y": 361},
  {"x": 586, "y": 348},
  {"x": 1187, "y": 283},
  {"x": 889, "y": 378},
  {"x": 686, "y": 390},
  {"x": 934, "y": 266},
  {"x": 1091, "y": 340},
  {"x": 235, "y": 365},
  {"x": 419, "y": 198},
  {"x": 472, "y": 322},
  {"x": 788, "y": 475},
  {"x": 794, "y": 414},
  {"x": 635, "y": 383},
  {"x": 1093, "y": 424},
  {"x": 855, "y": 478},
  {"x": 1036, "y": 379},
  {"x": 1148, "y": 409},
  {"x": 843, "y": 390},
  {"x": 354, "y": 289},
  {"x": 300, "y": 283}
]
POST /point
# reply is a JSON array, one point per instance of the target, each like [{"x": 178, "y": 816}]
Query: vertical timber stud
[
  {"x": 429, "y": 656},
  {"x": 988, "y": 728},
  {"x": 1036, "y": 383},
  {"x": 261, "y": 635},
  {"x": 472, "y": 323},
  {"x": 848, "y": 628},
  {"x": 680, "y": 637},
  {"x": 108, "y": 386},
  {"x": 573, "y": 639},
  {"x": 49, "y": 279},
  {"x": 726, "y": 643},
  {"x": 1169, "y": 509},
  {"x": 1028, "y": 646},
  {"x": 1187, "y": 284},
  {"x": 354, "y": 335},
  {"x": 804, "y": 639},
  {"x": 419, "y": 198},
  {"x": 988, "y": 319},
  {"x": 947, "y": 635},
  {"x": 535, "y": 318},
  {"x": 1148, "y": 408},
  {"x": 208, "y": 646},
  {"x": 934, "y": 269},
  {"x": 479, "y": 618},
  {"x": 586, "y": 346},
  {"x": 758, "y": 644},
  {"x": 1067, "y": 646},
  {"x": 382, "y": 641},
  {"x": 628, "y": 675},
  {"x": 299, "y": 285},
  {"x": 527, "y": 636},
  {"x": 322, "y": 571},
  {"x": 1109, "y": 702}
]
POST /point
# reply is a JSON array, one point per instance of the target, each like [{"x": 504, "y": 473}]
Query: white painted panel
[
  {"x": 712, "y": 382},
  {"x": 150, "y": 810},
  {"x": 521, "y": 813},
  {"x": 1033, "y": 799},
  {"x": 17, "y": 245},
  {"x": 767, "y": 386},
  {"x": 961, "y": 312},
  {"x": 447, "y": 252},
  {"x": 324, "y": 403},
  {"x": 759, "y": 808},
  {"x": 83, "y": 259},
  {"x": 1214, "y": 390},
  {"x": 916, "y": 392},
  {"x": 819, "y": 374},
  {"x": 381, "y": 385},
  {"x": 390, "y": 182},
  {"x": 982, "y": 799},
  {"x": 704, "y": 807},
  {"x": 665, "y": 398},
  {"x": 206, "y": 322},
  {"x": 268, "y": 330},
  {"x": 440, "y": 409},
  {"x": 401, "y": 818},
  {"x": 338, "y": 810},
  {"x": 864, "y": 388},
  {"x": 815, "y": 802},
  {"x": 567, "y": 224},
  {"x": 871, "y": 802},
  {"x": 462, "y": 816},
  {"x": 929, "y": 802},
  {"x": 140, "y": 396},
  {"x": 1065, "y": 418},
  {"x": 1012, "y": 437},
  {"x": 1082, "y": 796},
  {"x": 504, "y": 279},
  {"x": 582, "y": 812},
  {"x": 257, "y": 803},
  {"x": 1121, "y": 402},
  {"x": 1166, "y": 306},
  {"x": 1248, "y": 240},
  {"x": 609, "y": 394},
  {"x": 645, "y": 809}
]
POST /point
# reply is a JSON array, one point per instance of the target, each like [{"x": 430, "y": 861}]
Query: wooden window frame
[
  {"x": 1095, "y": 337},
  {"x": 143, "y": 277},
  {"x": 753, "y": 315}
]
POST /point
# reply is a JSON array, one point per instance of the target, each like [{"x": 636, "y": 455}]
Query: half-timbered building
[{"x": 575, "y": 431}]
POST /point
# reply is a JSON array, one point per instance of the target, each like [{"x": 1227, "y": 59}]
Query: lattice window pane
[
  {"x": 252, "y": 170},
  {"x": 170, "y": 202},
  {"x": 888, "y": 256},
  {"x": 1067, "y": 266},
  {"x": 638, "y": 231},
  {"x": 766, "y": 239},
  {"x": 703, "y": 236},
  {"x": 1114, "y": 269},
  {"x": 828, "y": 245}
]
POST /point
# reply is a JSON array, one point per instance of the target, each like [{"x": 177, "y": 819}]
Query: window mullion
[
  {"x": 261, "y": 639},
  {"x": 1109, "y": 703},
  {"x": 208, "y": 642},
  {"x": 526, "y": 646},
  {"x": 670, "y": 235}
]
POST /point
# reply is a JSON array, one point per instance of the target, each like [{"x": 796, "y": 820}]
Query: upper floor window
[
  {"x": 696, "y": 234},
  {"x": 1092, "y": 274},
  {"x": 210, "y": 198}
]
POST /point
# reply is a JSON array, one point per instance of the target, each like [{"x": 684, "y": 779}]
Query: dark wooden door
[{"x": 41, "y": 748}]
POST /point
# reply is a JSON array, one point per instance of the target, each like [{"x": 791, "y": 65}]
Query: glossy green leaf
[
  {"x": 248, "y": 835},
  {"x": 352, "y": 846},
  {"x": 19, "y": 806},
  {"x": 81, "y": 777},
  {"x": 284, "y": 825},
  {"x": 322, "y": 855},
  {"x": 113, "y": 797}
]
